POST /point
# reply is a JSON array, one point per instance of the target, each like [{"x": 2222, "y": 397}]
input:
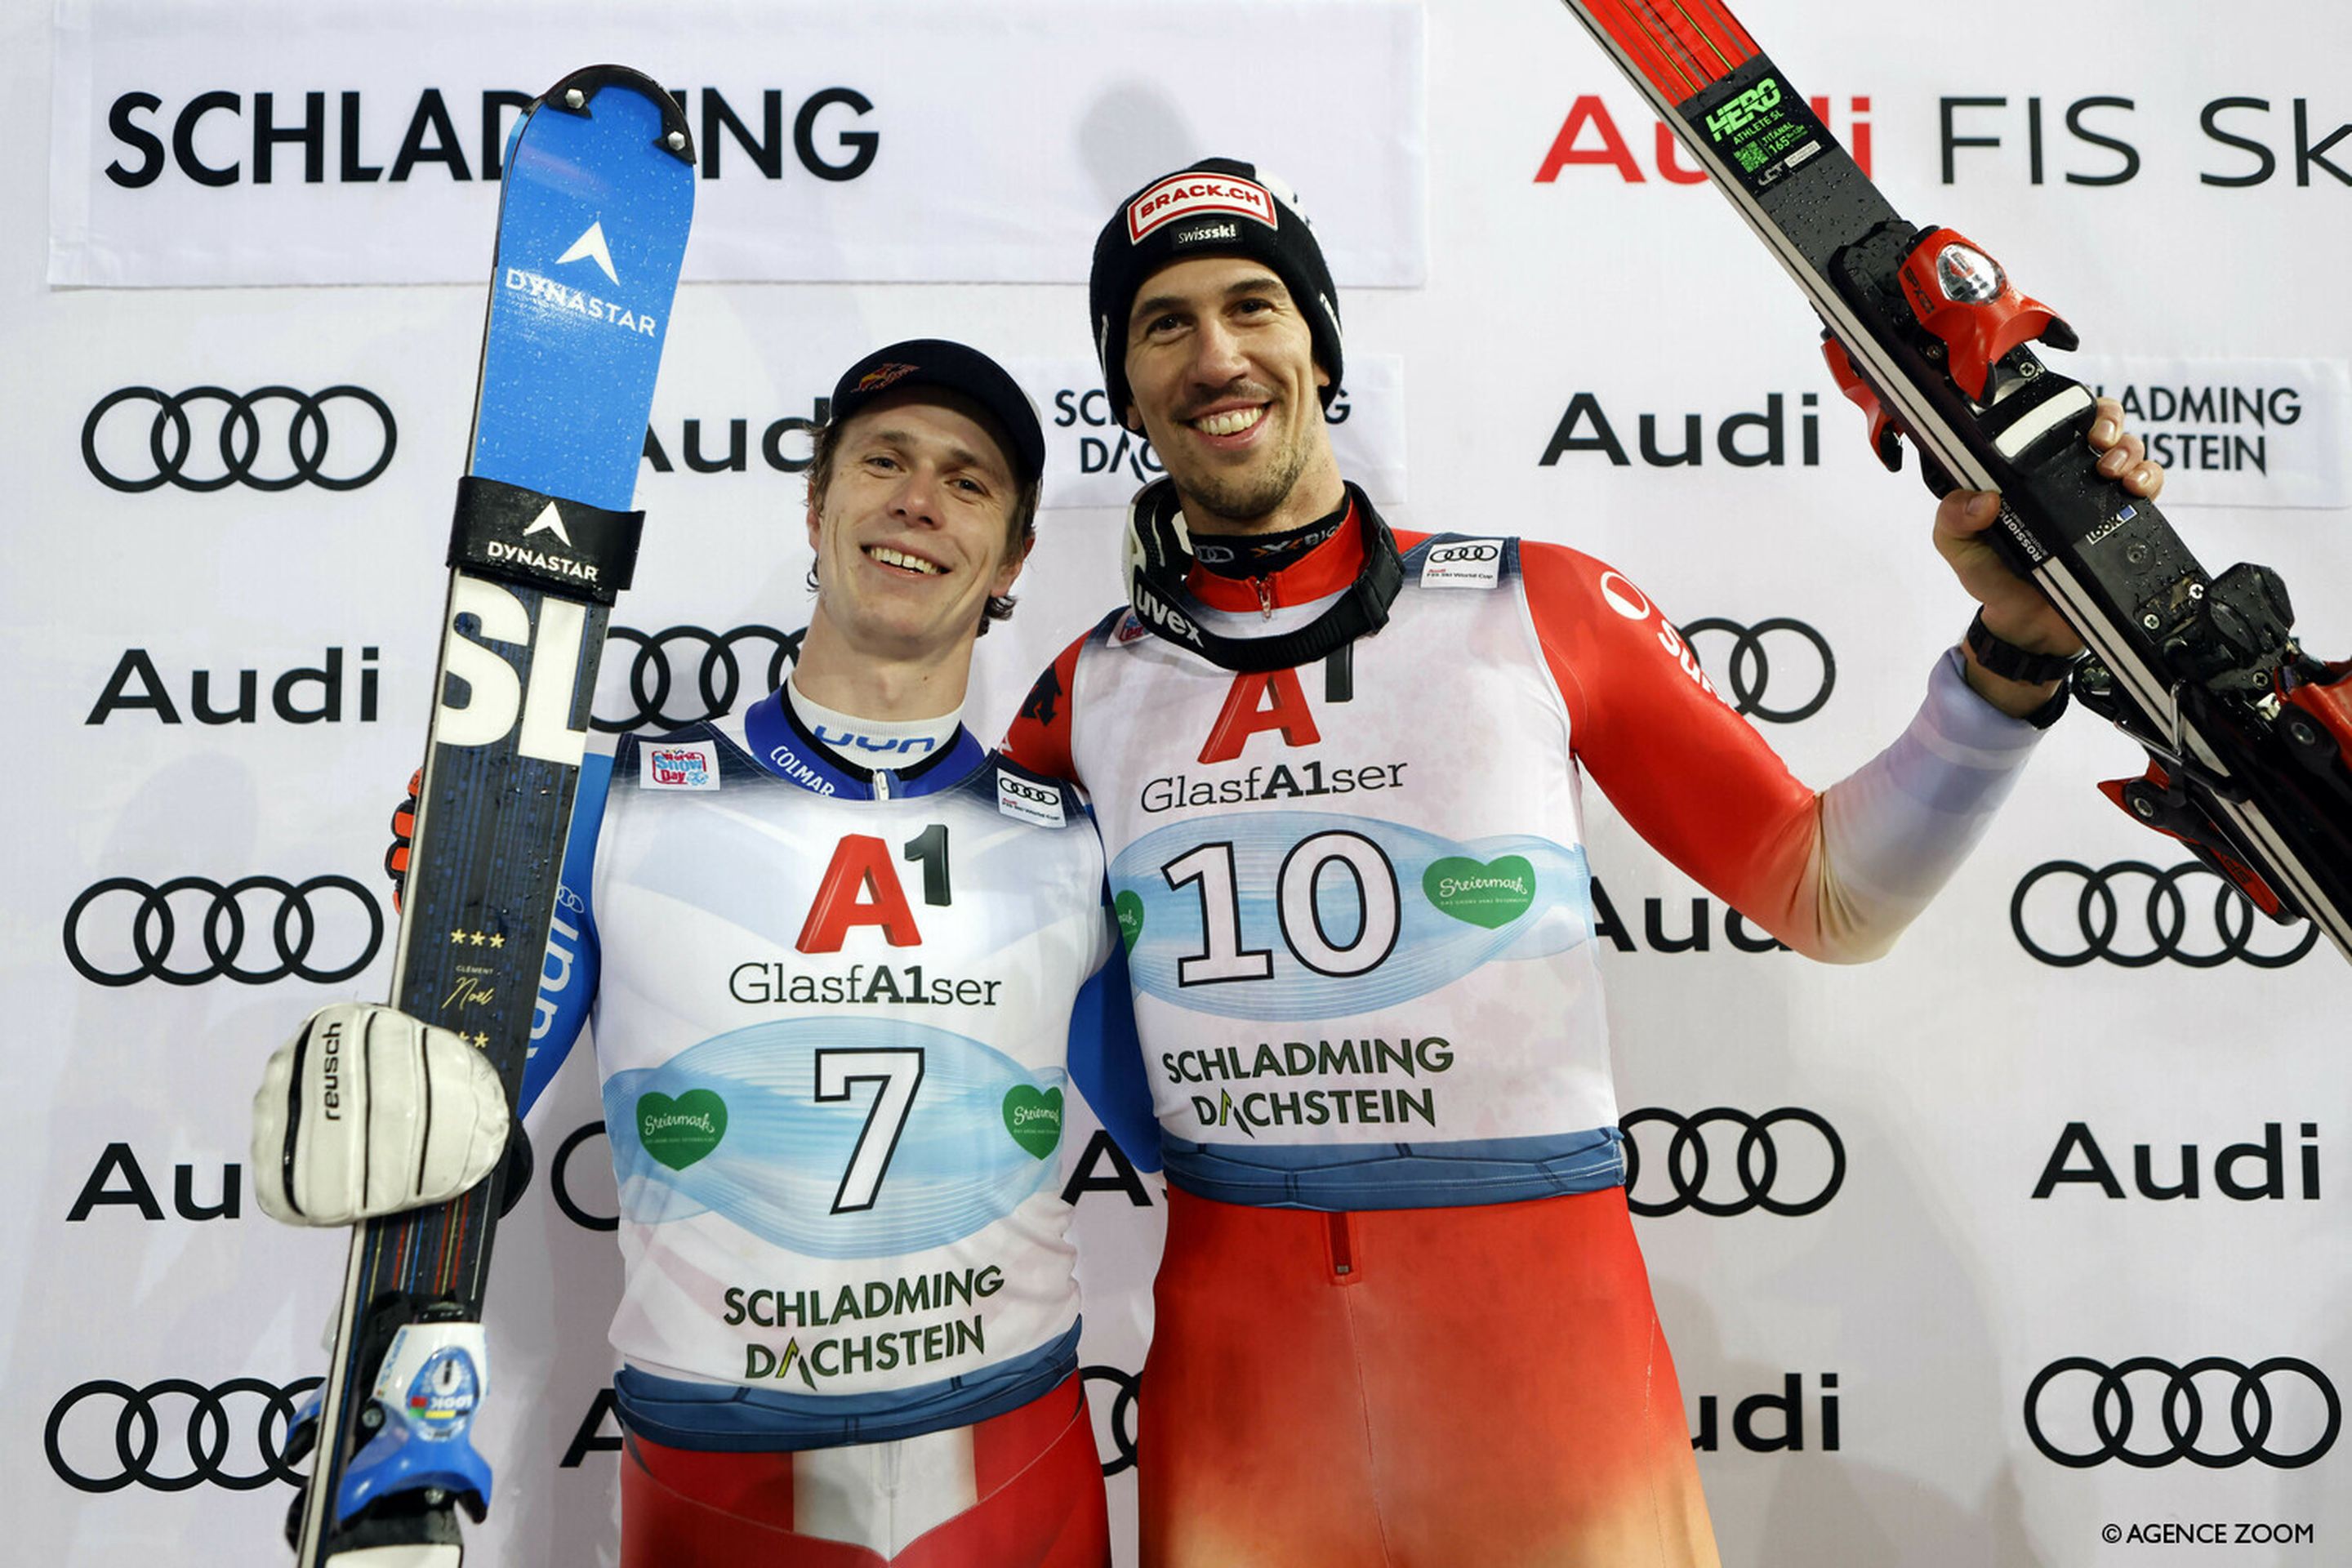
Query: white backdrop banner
[
  {"x": 2024, "y": 1245},
  {"x": 910, "y": 140}
]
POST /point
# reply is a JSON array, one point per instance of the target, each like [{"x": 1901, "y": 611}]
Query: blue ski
[{"x": 598, "y": 193}]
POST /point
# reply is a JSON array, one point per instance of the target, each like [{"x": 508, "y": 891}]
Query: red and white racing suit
[{"x": 1401, "y": 1318}]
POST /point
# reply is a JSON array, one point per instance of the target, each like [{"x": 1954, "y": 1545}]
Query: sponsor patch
[
  {"x": 1027, "y": 802},
  {"x": 1463, "y": 564},
  {"x": 1131, "y": 628},
  {"x": 680, "y": 767},
  {"x": 1181, "y": 196},
  {"x": 882, "y": 375}
]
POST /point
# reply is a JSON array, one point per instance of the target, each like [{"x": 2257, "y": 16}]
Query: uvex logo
[
  {"x": 1589, "y": 138},
  {"x": 216, "y": 139}
]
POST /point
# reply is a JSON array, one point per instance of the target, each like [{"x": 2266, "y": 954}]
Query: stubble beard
[{"x": 1251, "y": 495}]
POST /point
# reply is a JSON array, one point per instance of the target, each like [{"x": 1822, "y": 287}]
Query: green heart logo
[
  {"x": 1491, "y": 894},
  {"x": 1128, "y": 907},
  {"x": 1034, "y": 1118},
  {"x": 679, "y": 1132}
]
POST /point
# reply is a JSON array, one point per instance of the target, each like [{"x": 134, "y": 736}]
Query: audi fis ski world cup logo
[
  {"x": 2133, "y": 914},
  {"x": 254, "y": 930},
  {"x": 1785, "y": 1162},
  {"x": 173, "y": 1435},
  {"x": 2213, "y": 1411},
  {"x": 684, "y": 675},
  {"x": 1809, "y": 670},
  {"x": 139, "y": 438}
]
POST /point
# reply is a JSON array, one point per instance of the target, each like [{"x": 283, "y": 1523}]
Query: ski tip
[{"x": 577, "y": 91}]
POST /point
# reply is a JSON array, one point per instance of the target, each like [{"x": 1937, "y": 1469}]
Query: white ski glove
[{"x": 367, "y": 1112}]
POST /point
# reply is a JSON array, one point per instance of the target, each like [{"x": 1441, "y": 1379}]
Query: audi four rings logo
[
  {"x": 122, "y": 930},
  {"x": 178, "y": 449},
  {"x": 2096, "y": 1415},
  {"x": 1118, "y": 1418},
  {"x": 1817, "y": 1158},
  {"x": 2111, "y": 918},
  {"x": 233, "y": 1434},
  {"x": 661, "y": 660},
  {"x": 1749, "y": 672}
]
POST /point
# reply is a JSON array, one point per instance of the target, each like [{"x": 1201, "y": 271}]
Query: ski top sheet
[
  {"x": 2250, "y": 738},
  {"x": 592, "y": 216}
]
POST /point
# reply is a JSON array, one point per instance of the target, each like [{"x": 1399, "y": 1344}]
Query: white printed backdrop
[{"x": 1543, "y": 314}]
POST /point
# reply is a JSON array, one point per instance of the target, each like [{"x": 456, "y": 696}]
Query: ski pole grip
[{"x": 536, "y": 540}]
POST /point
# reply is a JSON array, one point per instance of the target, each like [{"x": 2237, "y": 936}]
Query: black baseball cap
[
  {"x": 935, "y": 362},
  {"x": 1215, "y": 206}
]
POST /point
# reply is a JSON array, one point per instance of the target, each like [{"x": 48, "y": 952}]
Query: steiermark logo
[
  {"x": 679, "y": 1132},
  {"x": 591, "y": 246},
  {"x": 1128, "y": 907},
  {"x": 1034, "y": 1118},
  {"x": 1491, "y": 893}
]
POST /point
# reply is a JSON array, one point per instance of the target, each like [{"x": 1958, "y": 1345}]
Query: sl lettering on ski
[
  {"x": 2247, "y": 133},
  {"x": 496, "y": 698},
  {"x": 307, "y": 694},
  {"x": 824, "y": 140},
  {"x": 860, "y": 887},
  {"x": 2247, "y": 1171},
  {"x": 1589, "y": 138},
  {"x": 1744, "y": 440},
  {"x": 1258, "y": 702}
]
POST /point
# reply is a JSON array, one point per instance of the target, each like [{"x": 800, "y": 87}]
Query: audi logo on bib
[
  {"x": 1808, "y": 676},
  {"x": 1752, "y": 1176},
  {"x": 2133, "y": 914},
  {"x": 2213, "y": 1411},
  {"x": 683, "y": 675},
  {"x": 174, "y": 1434},
  {"x": 122, "y": 930},
  {"x": 187, "y": 445}
]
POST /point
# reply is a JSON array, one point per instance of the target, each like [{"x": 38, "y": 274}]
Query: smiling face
[
  {"x": 913, "y": 528},
  {"x": 1222, "y": 370}
]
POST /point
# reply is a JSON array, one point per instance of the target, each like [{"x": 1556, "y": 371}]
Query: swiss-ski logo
[{"x": 591, "y": 246}]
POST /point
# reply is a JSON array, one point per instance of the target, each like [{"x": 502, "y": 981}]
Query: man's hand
[
  {"x": 2014, "y": 609},
  {"x": 367, "y": 1112}
]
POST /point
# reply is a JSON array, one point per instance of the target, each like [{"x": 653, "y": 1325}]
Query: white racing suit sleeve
[
  {"x": 367, "y": 1112},
  {"x": 1895, "y": 831}
]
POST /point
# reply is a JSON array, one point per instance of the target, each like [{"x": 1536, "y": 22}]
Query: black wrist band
[
  {"x": 2042, "y": 717},
  {"x": 2011, "y": 662}
]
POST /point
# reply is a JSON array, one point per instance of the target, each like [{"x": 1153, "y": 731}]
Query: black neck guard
[{"x": 1159, "y": 556}]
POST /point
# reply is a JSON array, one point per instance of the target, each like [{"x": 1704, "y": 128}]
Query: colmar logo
[{"x": 1179, "y": 195}]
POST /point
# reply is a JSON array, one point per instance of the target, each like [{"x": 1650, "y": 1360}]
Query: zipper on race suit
[
  {"x": 1339, "y": 1231},
  {"x": 1264, "y": 586}
]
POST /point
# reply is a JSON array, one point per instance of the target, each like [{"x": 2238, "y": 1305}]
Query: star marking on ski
[
  {"x": 456, "y": 936},
  {"x": 591, "y": 246},
  {"x": 482, "y": 1041},
  {"x": 549, "y": 520},
  {"x": 497, "y": 938},
  {"x": 478, "y": 938}
]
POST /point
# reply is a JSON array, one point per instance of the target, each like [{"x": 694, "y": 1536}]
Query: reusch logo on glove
[{"x": 1181, "y": 196}]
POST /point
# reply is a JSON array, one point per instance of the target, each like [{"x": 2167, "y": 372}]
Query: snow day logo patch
[
  {"x": 677, "y": 1132},
  {"x": 680, "y": 767}
]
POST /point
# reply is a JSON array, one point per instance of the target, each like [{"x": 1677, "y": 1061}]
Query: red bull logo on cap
[{"x": 1181, "y": 195}]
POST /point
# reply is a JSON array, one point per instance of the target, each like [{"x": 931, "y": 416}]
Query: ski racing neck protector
[
  {"x": 1257, "y": 554},
  {"x": 1160, "y": 557}
]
